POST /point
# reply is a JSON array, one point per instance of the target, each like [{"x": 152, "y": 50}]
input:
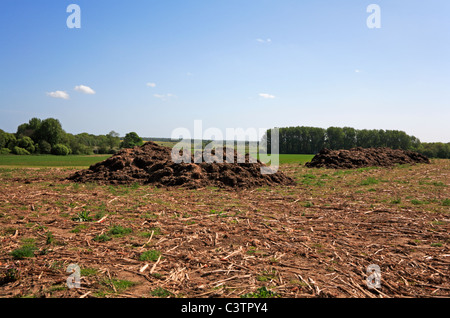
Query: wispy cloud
[
  {"x": 164, "y": 97},
  {"x": 264, "y": 40},
  {"x": 84, "y": 89},
  {"x": 357, "y": 71},
  {"x": 59, "y": 94},
  {"x": 151, "y": 84},
  {"x": 266, "y": 96}
]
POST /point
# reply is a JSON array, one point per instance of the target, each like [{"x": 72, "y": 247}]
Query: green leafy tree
[
  {"x": 51, "y": 131},
  {"x": 26, "y": 143},
  {"x": 29, "y": 129},
  {"x": 363, "y": 138},
  {"x": 4, "y": 151},
  {"x": 335, "y": 138},
  {"x": 131, "y": 140},
  {"x": 61, "y": 150},
  {"x": 113, "y": 139},
  {"x": 8, "y": 140},
  {"x": 349, "y": 139},
  {"x": 44, "y": 147},
  {"x": 20, "y": 151}
]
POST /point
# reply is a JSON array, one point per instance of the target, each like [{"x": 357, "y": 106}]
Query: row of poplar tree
[{"x": 310, "y": 140}]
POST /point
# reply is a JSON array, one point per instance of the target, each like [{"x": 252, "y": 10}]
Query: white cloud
[
  {"x": 164, "y": 97},
  {"x": 264, "y": 41},
  {"x": 58, "y": 94},
  {"x": 357, "y": 71},
  {"x": 266, "y": 96},
  {"x": 151, "y": 84},
  {"x": 84, "y": 89}
]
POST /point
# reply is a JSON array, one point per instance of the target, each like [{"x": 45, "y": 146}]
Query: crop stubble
[{"x": 312, "y": 239}]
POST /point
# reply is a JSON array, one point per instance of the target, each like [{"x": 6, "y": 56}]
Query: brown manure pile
[
  {"x": 152, "y": 164},
  {"x": 365, "y": 157}
]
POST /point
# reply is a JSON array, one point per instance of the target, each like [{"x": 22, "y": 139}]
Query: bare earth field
[{"x": 314, "y": 239}]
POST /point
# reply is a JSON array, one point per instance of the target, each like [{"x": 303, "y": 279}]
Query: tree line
[
  {"x": 310, "y": 140},
  {"x": 48, "y": 137}
]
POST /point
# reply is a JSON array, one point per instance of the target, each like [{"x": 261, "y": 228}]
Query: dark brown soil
[
  {"x": 152, "y": 164},
  {"x": 365, "y": 157}
]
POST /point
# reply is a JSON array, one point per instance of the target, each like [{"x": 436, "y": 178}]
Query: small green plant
[
  {"x": 396, "y": 201},
  {"x": 369, "y": 181},
  {"x": 28, "y": 240},
  {"x": 102, "y": 238},
  {"x": 266, "y": 276},
  {"x": 446, "y": 202},
  {"x": 151, "y": 255},
  {"x": 261, "y": 293},
  {"x": 118, "y": 285},
  {"x": 85, "y": 272},
  {"x": 154, "y": 231},
  {"x": 119, "y": 231},
  {"x": 49, "y": 238},
  {"x": 78, "y": 228},
  {"x": 82, "y": 216},
  {"x": 25, "y": 251},
  {"x": 218, "y": 213},
  {"x": 307, "y": 179},
  {"x": 161, "y": 292},
  {"x": 416, "y": 202},
  {"x": 157, "y": 275},
  {"x": 149, "y": 216},
  {"x": 438, "y": 244},
  {"x": 135, "y": 186}
]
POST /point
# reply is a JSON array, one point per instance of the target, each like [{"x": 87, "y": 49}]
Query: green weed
[
  {"x": 25, "y": 251},
  {"x": 369, "y": 181},
  {"x": 82, "y": 216},
  {"x": 161, "y": 292},
  {"x": 102, "y": 238},
  {"x": 118, "y": 284},
  {"x": 151, "y": 255},
  {"x": 261, "y": 293},
  {"x": 119, "y": 231}
]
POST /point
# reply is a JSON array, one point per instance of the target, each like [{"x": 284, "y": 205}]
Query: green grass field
[
  {"x": 81, "y": 161},
  {"x": 42, "y": 161},
  {"x": 295, "y": 159}
]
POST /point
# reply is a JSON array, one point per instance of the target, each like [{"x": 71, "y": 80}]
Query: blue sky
[{"x": 154, "y": 66}]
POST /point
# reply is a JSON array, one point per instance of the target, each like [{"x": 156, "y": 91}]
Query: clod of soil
[
  {"x": 152, "y": 164},
  {"x": 365, "y": 157}
]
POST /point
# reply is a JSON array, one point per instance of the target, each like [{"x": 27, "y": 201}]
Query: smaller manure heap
[{"x": 365, "y": 157}]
